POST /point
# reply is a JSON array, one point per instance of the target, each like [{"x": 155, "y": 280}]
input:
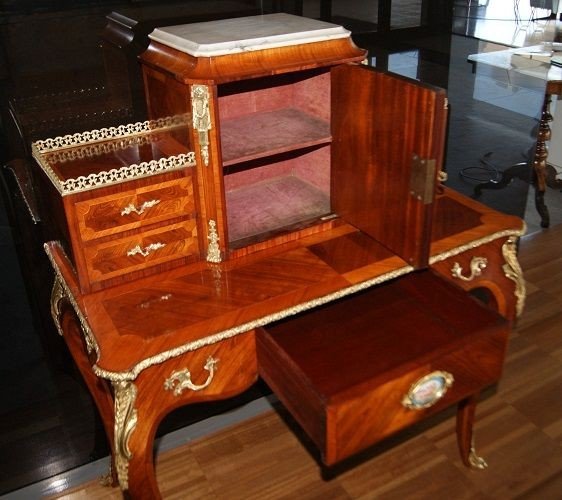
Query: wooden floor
[{"x": 518, "y": 431}]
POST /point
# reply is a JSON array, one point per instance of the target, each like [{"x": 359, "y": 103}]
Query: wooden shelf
[
  {"x": 273, "y": 205},
  {"x": 259, "y": 135}
]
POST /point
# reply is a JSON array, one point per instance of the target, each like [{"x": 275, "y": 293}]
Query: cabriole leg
[
  {"x": 71, "y": 330},
  {"x": 465, "y": 438}
]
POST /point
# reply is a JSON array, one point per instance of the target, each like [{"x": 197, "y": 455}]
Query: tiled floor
[{"x": 47, "y": 422}]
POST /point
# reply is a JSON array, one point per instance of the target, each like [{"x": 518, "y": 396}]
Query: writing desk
[
  {"x": 188, "y": 335},
  {"x": 256, "y": 196}
]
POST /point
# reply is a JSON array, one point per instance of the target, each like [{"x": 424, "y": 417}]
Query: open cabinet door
[{"x": 388, "y": 136}]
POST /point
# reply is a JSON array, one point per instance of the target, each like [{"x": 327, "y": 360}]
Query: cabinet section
[
  {"x": 122, "y": 232},
  {"x": 485, "y": 270},
  {"x": 166, "y": 98},
  {"x": 118, "y": 235},
  {"x": 275, "y": 146},
  {"x": 282, "y": 196},
  {"x": 270, "y": 133},
  {"x": 474, "y": 247},
  {"x": 295, "y": 138},
  {"x": 123, "y": 199},
  {"x": 296, "y": 151}
]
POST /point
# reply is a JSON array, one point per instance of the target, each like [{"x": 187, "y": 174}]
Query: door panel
[{"x": 388, "y": 138}]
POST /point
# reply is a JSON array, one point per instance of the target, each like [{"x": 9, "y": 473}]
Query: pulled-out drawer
[{"x": 360, "y": 369}]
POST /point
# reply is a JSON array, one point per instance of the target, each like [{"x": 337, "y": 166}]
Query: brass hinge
[{"x": 422, "y": 179}]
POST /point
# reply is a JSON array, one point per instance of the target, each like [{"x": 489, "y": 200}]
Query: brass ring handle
[
  {"x": 131, "y": 208},
  {"x": 477, "y": 265},
  {"x": 429, "y": 389},
  {"x": 180, "y": 380},
  {"x": 146, "y": 251}
]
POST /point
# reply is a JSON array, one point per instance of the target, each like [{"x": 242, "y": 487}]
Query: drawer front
[
  {"x": 133, "y": 209},
  {"x": 216, "y": 371},
  {"x": 356, "y": 423},
  {"x": 146, "y": 249}
]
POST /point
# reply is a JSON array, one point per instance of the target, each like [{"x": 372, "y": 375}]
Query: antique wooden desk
[{"x": 260, "y": 225}]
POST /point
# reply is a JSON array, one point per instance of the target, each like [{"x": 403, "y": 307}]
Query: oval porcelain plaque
[{"x": 428, "y": 390}]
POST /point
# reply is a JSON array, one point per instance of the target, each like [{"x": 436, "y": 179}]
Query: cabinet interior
[{"x": 275, "y": 144}]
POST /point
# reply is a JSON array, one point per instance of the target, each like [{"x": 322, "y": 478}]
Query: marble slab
[
  {"x": 531, "y": 61},
  {"x": 231, "y": 36}
]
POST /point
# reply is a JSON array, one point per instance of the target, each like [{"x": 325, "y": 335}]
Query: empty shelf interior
[
  {"x": 262, "y": 134},
  {"x": 273, "y": 205}
]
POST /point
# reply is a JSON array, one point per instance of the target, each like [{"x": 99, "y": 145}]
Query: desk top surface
[{"x": 139, "y": 324}]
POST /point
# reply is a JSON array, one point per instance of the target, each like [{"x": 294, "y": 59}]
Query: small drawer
[
  {"x": 358, "y": 370},
  {"x": 133, "y": 209},
  {"x": 146, "y": 249},
  {"x": 220, "y": 370}
]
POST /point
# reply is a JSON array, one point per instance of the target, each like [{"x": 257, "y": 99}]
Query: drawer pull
[
  {"x": 428, "y": 390},
  {"x": 477, "y": 265},
  {"x": 130, "y": 208},
  {"x": 146, "y": 251},
  {"x": 181, "y": 379}
]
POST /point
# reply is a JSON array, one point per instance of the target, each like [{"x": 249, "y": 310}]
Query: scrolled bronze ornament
[
  {"x": 145, "y": 251},
  {"x": 512, "y": 270},
  {"x": 125, "y": 423},
  {"x": 476, "y": 461},
  {"x": 213, "y": 250},
  {"x": 57, "y": 295},
  {"x": 201, "y": 118},
  {"x": 477, "y": 265},
  {"x": 180, "y": 380},
  {"x": 139, "y": 210}
]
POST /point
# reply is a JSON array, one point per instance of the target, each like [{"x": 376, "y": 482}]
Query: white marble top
[
  {"x": 532, "y": 61},
  {"x": 231, "y": 36}
]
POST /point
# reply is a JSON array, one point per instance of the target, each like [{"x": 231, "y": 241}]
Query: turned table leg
[
  {"x": 465, "y": 439},
  {"x": 539, "y": 162}
]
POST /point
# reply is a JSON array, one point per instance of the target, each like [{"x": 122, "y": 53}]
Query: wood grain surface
[{"x": 374, "y": 158}]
